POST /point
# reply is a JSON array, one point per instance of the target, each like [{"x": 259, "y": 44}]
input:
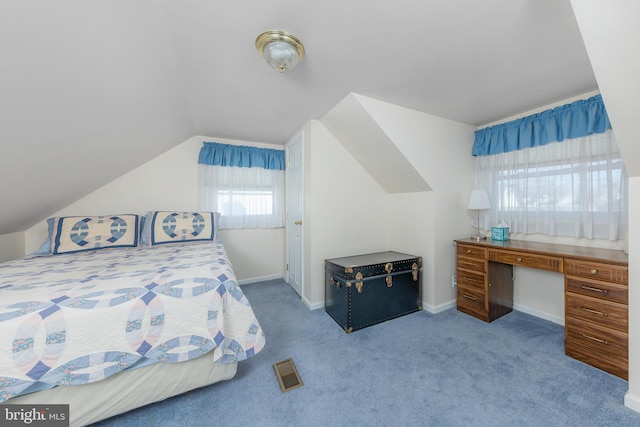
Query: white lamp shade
[{"x": 479, "y": 199}]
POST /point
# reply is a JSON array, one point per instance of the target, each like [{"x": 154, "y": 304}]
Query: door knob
[{"x": 298, "y": 222}]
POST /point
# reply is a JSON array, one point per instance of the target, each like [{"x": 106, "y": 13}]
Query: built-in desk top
[{"x": 552, "y": 249}]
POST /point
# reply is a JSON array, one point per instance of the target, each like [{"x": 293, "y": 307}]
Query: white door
[{"x": 294, "y": 211}]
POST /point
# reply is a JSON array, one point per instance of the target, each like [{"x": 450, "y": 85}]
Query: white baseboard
[
  {"x": 451, "y": 304},
  {"x": 259, "y": 279},
  {"x": 632, "y": 402},
  {"x": 540, "y": 314},
  {"x": 435, "y": 309},
  {"x": 313, "y": 306}
]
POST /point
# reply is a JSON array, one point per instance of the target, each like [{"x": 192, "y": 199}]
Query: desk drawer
[
  {"x": 470, "y": 264},
  {"x": 611, "y": 343},
  {"x": 596, "y": 270},
  {"x": 605, "y": 313},
  {"x": 612, "y": 365},
  {"x": 470, "y": 251},
  {"x": 597, "y": 289},
  {"x": 472, "y": 298},
  {"x": 470, "y": 279},
  {"x": 524, "y": 259}
]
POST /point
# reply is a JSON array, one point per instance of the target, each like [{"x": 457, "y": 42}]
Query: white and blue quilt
[{"x": 78, "y": 318}]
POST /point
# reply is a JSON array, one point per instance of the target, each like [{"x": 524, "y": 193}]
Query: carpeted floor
[{"x": 421, "y": 369}]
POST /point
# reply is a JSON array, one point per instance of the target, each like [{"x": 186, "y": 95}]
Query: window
[
  {"x": 246, "y": 202},
  {"x": 577, "y": 188},
  {"x": 240, "y": 187}
]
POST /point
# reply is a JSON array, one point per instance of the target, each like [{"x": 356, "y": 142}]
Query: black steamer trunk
[{"x": 363, "y": 290}]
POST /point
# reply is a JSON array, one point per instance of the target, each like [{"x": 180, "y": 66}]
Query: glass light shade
[
  {"x": 281, "y": 50},
  {"x": 280, "y": 55}
]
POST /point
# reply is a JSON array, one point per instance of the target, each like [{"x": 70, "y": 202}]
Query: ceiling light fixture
[{"x": 281, "y": 50}]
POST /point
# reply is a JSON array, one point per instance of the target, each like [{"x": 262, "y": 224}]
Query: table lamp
[{"x": 478, "y": 200}]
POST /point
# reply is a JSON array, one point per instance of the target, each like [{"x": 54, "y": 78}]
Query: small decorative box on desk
[
  {"x": 363, "y": 290},
  {"x": 500, "y": 233}
]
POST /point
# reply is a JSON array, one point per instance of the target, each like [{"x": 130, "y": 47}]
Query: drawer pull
[
  {"x": 589, "y": 337},
  {"x": 590, "y": 310},
  {"x": 468, "y": 251},
  {"x": 519, "y": 259},
  {"x": 591, "y": 288},
  {"x": 470, "y": 297},
  {"x": 468, "y": 263},
  {"x": 594, "y": 271},
  {"x": 470, "y": 279}
]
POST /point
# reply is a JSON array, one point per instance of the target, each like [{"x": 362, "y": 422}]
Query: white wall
[
  {"x": 11, "y": 246},
  {"x": 412, "y": 230},
  {"x": 440, "y": 151},
  {"x": 170, "y": 182},
  {"x": 345, "y": 209},
  {"x": 348, "y": 213},
  {"x": 539, "y": 293},
  {"x": 255, "y": 254}
]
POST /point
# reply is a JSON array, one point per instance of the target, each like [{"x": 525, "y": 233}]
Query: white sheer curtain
[
  {"x": 246, "y": 197},
  {"x": 577, "y": 188}
]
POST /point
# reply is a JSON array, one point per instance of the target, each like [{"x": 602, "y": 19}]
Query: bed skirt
[{"x": 89, "y": 403}]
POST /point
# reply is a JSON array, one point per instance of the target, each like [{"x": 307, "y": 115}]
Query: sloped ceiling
[
  {"x": 89, "y": 90},
  {"x": 92, "y": 89},
  {"x": 360, "y": 134},
  {"x": 603, "y": 26}
]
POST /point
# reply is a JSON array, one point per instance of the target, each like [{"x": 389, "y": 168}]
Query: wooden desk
[{"x": 595, "y": 292}]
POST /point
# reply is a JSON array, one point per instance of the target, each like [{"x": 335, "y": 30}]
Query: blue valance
[
  {"x": 217, "y": 154},
  {"x": 573, "y": 120}
]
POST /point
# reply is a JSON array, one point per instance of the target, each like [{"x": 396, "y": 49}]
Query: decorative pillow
[
  {"x": 83, "y": 233},
  {"x": 45, "y": 248},
  {"x": 168, "y": 227}
]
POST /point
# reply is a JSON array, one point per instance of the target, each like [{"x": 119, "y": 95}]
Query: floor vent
[{"x": 287, "y": 375}]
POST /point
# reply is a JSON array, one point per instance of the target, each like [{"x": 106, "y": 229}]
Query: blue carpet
[{"x": 447, "y": 369}]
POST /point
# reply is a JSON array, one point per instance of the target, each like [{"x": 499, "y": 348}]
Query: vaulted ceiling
[{"x": 91, "y": 89}]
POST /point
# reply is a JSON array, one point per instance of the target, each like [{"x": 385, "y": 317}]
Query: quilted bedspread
[{"x": 78, "y": 318}]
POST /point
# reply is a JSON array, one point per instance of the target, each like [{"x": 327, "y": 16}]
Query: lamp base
[{"x": 478, "y": 236}]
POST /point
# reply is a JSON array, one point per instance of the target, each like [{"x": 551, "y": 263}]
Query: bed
[{"x": 108, "y": 327}]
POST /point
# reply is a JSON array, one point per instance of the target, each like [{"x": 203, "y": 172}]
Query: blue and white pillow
[
  {"x": 82, "y": 233},
  {"x": 162, "y": 227}
]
